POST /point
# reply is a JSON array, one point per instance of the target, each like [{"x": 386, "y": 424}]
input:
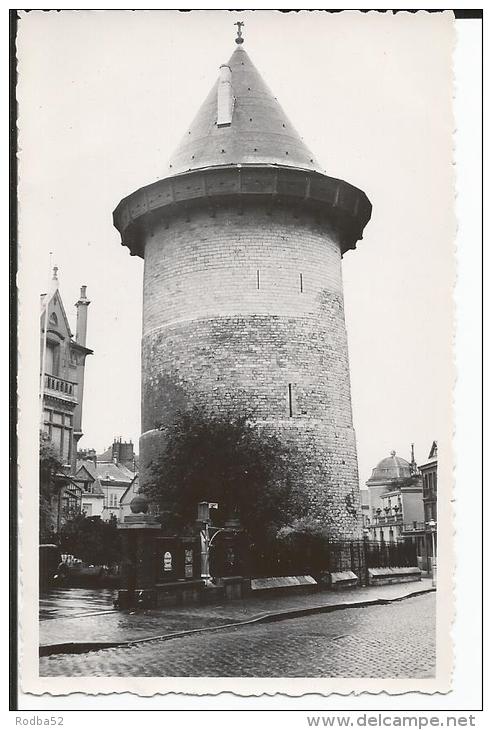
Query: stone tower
[{"x": 243, "y": 302}]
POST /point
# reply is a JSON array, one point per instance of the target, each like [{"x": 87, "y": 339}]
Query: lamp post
[
  {"x": 206, "y": 538},
  {"x": 365, "y": 538},
  {"x": 432, "y": 524},
  {"x": 204, "y": 522}
]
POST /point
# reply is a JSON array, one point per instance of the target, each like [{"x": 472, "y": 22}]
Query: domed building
[
  {"x": 395, "y": 505},
  {"x": 389, "y": 468}
]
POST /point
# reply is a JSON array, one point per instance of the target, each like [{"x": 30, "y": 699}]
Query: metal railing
[
  {"x": 388, "y": 519},
  {"x": 327, "y": 556},
  {"x": 414, "y": 527}
]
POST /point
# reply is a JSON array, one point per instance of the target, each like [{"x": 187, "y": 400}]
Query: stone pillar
[{"x": 138, "y": 565}]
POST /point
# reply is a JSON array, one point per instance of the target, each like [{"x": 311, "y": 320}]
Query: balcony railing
[
  {"x": 65, "y": 389},
  {"x": 388, "y": 519},
  {"x": 414, "y": 527}
]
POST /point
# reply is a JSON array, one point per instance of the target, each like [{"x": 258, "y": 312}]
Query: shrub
[{"x": 228, "y": 460}]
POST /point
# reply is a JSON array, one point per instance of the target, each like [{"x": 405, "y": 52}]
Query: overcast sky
[{"x": 105, "y": 97}]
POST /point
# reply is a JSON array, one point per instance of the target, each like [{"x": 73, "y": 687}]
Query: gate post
[
  {"x": 365, "y": 551},
  {"x": 138, "y": 531}
]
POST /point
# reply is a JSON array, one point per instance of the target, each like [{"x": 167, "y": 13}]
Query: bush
[
  {"x": 92, "y": 540},
  {"x": 227, "y": 460},
  {"x": 306, "y": 544},
  {"x": 49, "y": 465}
]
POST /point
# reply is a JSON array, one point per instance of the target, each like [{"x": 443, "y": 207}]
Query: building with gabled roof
[
  {"x": 131, "y": 491},
  {"x": 61, "y": 392},
  {"x": 429, "y": 477},
  {"x": 429, "y": 474},
  {"x": 62, "y": 371},
  {"x": 92, "y": 496},
  {"x": 104, "y": 483}
]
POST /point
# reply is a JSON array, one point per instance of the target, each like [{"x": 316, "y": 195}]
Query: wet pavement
[
  {"x": 86, "y": 616},
  {"x": 72, "y": 602},
  {"x": 392, "y": 640}
]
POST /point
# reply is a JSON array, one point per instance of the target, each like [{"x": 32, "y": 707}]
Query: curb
[
  {"x": 84, "y": 647},
  {"x": 78, "y": 647}
]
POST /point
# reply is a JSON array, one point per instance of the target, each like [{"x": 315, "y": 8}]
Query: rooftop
[
  {"x": 391, "y": 467},
  {"x": 241, "y": 146},
  {"x": 258, "y": 132},
  {"x": 107, "y": 471}
]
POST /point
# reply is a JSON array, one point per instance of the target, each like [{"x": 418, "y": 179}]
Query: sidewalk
[{"x": 105, "y": 628}]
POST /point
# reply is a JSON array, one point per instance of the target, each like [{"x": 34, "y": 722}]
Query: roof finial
[
  {"x": 55, "y": 273},
  {"x": 239, "y": 38}
]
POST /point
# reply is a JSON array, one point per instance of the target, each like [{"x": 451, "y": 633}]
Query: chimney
[
  {"x": 225, "y": 99},
  {"x": 82, "y": 305},
  {"x": 88, "y": 455},
  {"x": 413, "y": 463}
]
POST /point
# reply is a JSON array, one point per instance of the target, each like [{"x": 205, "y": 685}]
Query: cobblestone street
[
  {"x": 395, "y": 640},
  {"x": 77, "y": 615}
]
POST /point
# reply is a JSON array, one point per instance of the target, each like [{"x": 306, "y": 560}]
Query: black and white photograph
[{"x": 236, "y": 254}]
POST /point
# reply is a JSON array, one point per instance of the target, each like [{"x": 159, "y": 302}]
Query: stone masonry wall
[{"x": 243, "y": 310}]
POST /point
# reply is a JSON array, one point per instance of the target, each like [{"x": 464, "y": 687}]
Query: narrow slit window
[
  {"x": 257, "y": 278},
  {"x": 291, "y": 410},
  {"x": 301, "y": 284}
]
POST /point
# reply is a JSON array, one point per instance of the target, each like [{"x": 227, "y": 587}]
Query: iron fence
[
  {"x": 310, "y": 557},
  {"x": 391, "y": 554}
]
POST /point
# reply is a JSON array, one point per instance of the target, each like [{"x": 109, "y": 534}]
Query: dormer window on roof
[{"x": 225, "y": 98}]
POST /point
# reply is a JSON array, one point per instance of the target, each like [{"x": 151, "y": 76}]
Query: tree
[
  {"x": 49, "y": 465},
  {"x": 91, "y": 539},
  {"x": 306, "y": 543},
  {"x": 228, "y": 460}
]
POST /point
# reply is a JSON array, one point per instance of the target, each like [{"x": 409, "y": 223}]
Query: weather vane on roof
[{"x": 239, "y": 38}]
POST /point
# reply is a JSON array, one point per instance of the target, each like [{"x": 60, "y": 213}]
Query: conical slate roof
[
  {"x": 259, "y": 131},
  {"x": 242, "y": 146}
]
